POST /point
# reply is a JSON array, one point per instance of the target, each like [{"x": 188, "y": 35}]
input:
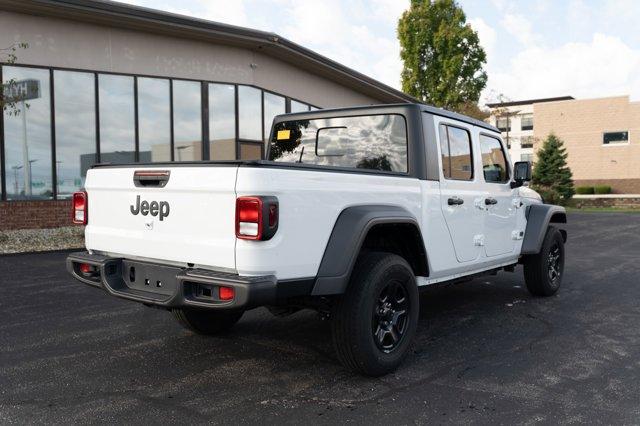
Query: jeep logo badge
[{"x": 154, "y": 208}]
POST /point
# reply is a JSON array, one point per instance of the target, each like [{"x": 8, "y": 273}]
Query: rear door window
[
  {"x": 455, "y": 150},
  {"x": 372, "y": 142}
]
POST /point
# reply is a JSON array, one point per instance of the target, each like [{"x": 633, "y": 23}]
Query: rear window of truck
[{"x": 373, "y": 142}]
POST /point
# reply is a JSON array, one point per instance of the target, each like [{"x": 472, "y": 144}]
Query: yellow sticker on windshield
[{"x": 283, "y": 134}]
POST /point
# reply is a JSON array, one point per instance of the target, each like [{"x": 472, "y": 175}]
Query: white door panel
[
  {"x": 464, "y": 221},
  {"x": 459, "y": 189},
  {"x": 501, "y": 210},
  {"x": 500, "y": 223},
  {"x": 437, "y": 241}
]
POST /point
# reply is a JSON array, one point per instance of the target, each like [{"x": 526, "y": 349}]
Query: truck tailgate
[{"x": 191, "y": 219}]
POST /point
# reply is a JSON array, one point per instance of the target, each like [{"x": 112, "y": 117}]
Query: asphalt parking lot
[{"x": 486, "y": 352}]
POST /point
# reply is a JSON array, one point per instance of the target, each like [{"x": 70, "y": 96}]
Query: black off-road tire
[
  {"x": 378, "y": 279},
  {"x": 543, "y": 272},
  {"x": 207, "y": 322}
]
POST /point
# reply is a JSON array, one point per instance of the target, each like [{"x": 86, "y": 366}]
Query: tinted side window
[
  {"x": 494, "y": 162},
  {"x": 457, "y": 160}
]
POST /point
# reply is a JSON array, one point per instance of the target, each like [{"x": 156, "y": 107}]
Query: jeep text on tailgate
[{"x": 354, "y": 210}]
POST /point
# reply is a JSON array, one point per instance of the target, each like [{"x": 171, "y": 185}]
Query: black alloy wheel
[{"x": 390, "y": 314}]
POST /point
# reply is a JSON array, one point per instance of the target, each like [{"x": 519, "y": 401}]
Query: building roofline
[
  {"x": 530, "y": 101},
  {"x": 122, "y": 15}
]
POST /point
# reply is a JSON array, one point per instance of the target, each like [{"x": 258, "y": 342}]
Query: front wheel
[
  {"x": 543, "y": 272},
  {"x": 207, "y": 322},
  {"x": 374, "y": 322}
]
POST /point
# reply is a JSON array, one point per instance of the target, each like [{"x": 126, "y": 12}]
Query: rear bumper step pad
[{"x": 169, "y": 286}]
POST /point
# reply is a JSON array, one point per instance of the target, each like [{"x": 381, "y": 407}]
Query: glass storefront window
[
  {"x": 239, "y": 118},
  {"x": 250, "y": 113},
  {"x": 187, "y": 120},
  {"x": 117, "y": 119},
  {"x": 75, "y": 113},
  {"x": 154, "y": 120},
  {"x": 27, "y": 134},
  {"x": 298, "y": 106},
  {"x": 222, "y": 121},
  {"x": 273, "y": 105}
]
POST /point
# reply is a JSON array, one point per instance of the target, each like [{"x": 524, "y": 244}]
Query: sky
[{"x": 541, "y": 48}]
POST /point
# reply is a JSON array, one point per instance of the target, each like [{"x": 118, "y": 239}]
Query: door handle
[
  {"x": 455, "y": 201},
  {"x": 490, "y": 201}
]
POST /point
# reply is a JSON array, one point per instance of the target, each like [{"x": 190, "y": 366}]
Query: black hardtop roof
[{"x": 365, "y": 109}]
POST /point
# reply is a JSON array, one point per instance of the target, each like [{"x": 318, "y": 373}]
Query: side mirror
[{"x": 521, "y": 173}]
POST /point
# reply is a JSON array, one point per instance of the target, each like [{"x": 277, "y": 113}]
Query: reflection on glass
[
  {"x": 154, "y": 120},
  {"x": 222, "y": 122},
  {"x": 250, "y": 151},
  {"x": 75, "y": 112},
  {"x": 250, "y": 113},
  {"x": 298, "y": 106},
  {"x": 273, "y": 105},
  {"x": 27, "y": 136},
  {"x": 375, "y": 142},
  {"x": 187, "y": 120},
  {"x": 494, "y": 162},
  {"x": 117, "y": 119}
]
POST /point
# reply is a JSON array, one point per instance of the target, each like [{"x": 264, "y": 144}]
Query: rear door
[
  {"x": 499, "y": 198},
  {"x": 189, "y": 217},
  {"x": 459, "y": 190}
]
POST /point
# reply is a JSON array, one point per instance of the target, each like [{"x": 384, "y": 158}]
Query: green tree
[
  {"x": 443, "y": 59},
  {"x": 9, "y": 56},
  {"x": 552, "y": 177}
]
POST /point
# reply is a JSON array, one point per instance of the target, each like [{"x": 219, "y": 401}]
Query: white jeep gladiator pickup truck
[{"x": 352, "y": 212}]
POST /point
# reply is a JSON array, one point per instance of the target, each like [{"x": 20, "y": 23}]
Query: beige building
[{"x": 602, "y": 138}]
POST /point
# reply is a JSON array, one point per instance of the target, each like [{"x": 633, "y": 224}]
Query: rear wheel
[
  {"x": 207, "y": 322},
  {"x": 543, "y": 271},
  {"x": 374, "y": 322}
]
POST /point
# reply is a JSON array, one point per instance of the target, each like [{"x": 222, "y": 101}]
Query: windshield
[{"x": 374, "y": 142}]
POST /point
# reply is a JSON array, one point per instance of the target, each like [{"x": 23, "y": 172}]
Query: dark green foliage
[
  {"x": 585, "y": 190},
  {"x": 552, "y": 177},
  {"x": 375, "y": 163},
  {"x": 442, "y": 55},
  {"x": 602, "y": 189}
]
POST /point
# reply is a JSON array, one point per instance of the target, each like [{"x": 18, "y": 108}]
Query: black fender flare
[
  {"x": 538, "y": 218},
  {"x": 347, "y": 237}
]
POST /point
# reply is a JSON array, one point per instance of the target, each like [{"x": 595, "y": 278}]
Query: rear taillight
[
  {"x": 226, "y": 293},
  {"x": 80, "y": 214},
  {"x": 256, "y": 217}
]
